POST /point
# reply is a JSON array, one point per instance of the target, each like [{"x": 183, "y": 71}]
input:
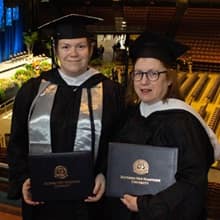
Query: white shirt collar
[{"x": 78, "y": 80}]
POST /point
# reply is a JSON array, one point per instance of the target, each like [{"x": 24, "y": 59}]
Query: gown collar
[
  {"x": 78, "y": 80},
  {"x": 171, "y": 104}
]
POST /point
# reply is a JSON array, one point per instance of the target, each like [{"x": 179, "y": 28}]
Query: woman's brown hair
[{"x": 172, "y": 92}]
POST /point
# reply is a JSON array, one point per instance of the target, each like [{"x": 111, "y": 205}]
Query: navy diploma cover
[
  {"x": 61, "y": 176},
  {"x": 140, "y": 169}
]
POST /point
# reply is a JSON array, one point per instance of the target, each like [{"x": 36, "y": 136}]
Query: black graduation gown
[
  {"x": 63, "y": 129},
  {"x": 184, "y": 200}
]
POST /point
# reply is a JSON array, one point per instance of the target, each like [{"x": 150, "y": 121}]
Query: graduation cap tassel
[{"x": 53, "y": 59}]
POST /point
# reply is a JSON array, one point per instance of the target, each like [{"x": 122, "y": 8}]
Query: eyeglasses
[{"x": 151, "y": 75}]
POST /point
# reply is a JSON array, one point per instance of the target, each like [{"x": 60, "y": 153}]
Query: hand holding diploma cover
[
  {"x": 140, "y": 169},
  {"x": 61, "y": 176}
]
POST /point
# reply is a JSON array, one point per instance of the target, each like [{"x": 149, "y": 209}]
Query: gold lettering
[
  {"x": 61, "y": 183},
  {"x": 139, "y": 180}
]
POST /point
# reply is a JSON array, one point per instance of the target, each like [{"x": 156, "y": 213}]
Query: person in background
[
  {"x": 114, "y": 74},
  {"x": 81, "y": 114},
  {"x": 157, "y": 116},
  {"x": 101, "y": 51}
]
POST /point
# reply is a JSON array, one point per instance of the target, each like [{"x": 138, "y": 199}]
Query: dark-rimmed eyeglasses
[{"x": 151, "y": 75}]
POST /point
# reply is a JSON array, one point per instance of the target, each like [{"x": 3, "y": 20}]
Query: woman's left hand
[
  {"x": 98, "y": 190},
  {"x": 130, "y": 202}
]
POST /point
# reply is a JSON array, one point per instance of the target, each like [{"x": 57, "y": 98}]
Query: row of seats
[
  {"x": 204, "y": 50},
  {"x": 4, "y": 139},
  {"x": 205, "y": 66}
]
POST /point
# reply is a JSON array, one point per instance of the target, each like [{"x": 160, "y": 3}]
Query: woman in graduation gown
[
  {"x": 160, "y": 118},
  {"x": 70, "y": 108}
]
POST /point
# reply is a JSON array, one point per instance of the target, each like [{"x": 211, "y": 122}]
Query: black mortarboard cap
[
  {"x": 70, "y": 26},
  {"x": 155, "y": 45}
]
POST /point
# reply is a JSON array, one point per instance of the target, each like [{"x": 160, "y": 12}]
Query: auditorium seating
[
  {"x": 213, "y": 200},
  {"x": 199, "y": 28}
]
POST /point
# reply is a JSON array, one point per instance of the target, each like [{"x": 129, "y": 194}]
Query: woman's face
[
  {"x": 73, "y": 55},
  {"x": 151, "y": 91}
]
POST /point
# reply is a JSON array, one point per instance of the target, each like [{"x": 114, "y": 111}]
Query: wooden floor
[
  {"x": 7, "y": 216},
  {"x": 9, "y": 212}
]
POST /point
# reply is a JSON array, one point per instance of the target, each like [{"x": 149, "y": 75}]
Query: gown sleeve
[
  {"x": 186, "y": 197},
  {"x": 18, "y": 143}
]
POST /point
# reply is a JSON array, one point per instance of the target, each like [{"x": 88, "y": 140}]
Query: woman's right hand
[{"x": 26, "y": 192}]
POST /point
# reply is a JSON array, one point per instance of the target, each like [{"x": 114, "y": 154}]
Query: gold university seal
[
  {"x": 141, "y": 167},
  {"x": 60, "y": 172}
]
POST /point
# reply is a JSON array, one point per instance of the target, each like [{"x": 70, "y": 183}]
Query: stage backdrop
[{"x": 11, "y": 31}]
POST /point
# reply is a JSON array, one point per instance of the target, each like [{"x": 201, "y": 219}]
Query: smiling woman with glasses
[{"x": 158, "y": 117}]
